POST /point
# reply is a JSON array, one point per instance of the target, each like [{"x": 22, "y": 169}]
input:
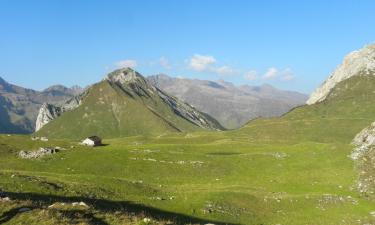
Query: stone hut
[{"x": 92, "y": 141}]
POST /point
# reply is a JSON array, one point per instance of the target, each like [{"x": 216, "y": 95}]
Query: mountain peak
[
  {"x": 355, "y": 63},
  {"x": 57, "y": 87},
  {"x": 125, "y": 75}
]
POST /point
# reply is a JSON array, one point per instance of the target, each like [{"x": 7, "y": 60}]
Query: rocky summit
[
  {"x": 355, "y": 63},
  {"x": 122, "y": 104}
]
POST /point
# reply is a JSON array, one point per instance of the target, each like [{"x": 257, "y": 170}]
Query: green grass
[
  {"x": 249, "y": 183},
  {"x": 289, "y": 170}
]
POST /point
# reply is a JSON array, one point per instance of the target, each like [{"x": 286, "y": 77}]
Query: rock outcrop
[
  {"x": 363, "y": 141},
  {"x": 364, "y": 156},
  {"x": 355, "y": 63},
  {"x": 37, "y": 154},
  {"x": 49, "y": 112}
]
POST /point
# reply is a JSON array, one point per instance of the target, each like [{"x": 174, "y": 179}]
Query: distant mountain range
[
  {"x": 231, "y": 105},
  {"x": 19, "y": 106},
  {"x": 123, "y": 104}
]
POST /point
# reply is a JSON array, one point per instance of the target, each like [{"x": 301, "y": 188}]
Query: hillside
[
  {"x": 19, "y": 106},
  {"x": 346, "y": 108},
  {"x": 231, "y": 105},
  {"x": 125, "y": 104}
]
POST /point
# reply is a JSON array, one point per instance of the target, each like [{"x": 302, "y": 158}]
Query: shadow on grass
[
  {"x": 12, "y": 213},
  {"x": 106, "y": 206}
]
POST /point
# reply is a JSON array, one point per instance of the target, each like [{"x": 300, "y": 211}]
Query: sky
[{"x": 292, "y": 45}]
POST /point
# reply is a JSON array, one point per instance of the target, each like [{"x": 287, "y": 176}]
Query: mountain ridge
[
  {"x": 20, "y": 106},
  {"x": 125, "y": 104},
  {"x": 357, "y": 62},
  {"x": 233, "y": 106}
]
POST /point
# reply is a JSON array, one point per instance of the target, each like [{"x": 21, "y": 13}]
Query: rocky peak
[
  {"x": 77, "y": 89},
  {"x": 125, "y": 76},
  {"x": 355, "y": 63},
  {"x": 57, "y": 87}
]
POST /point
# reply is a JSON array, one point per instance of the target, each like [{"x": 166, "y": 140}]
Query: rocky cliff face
[
  {"x": 231, "y": 105},
  {"x": 355, "y": 63},
  {"x": 19, "y": 106},
  {"x": 49, "y": 112}
]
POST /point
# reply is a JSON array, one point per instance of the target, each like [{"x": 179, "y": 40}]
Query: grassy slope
[
  {"x": 349, "y": 109},
  {"x": 289, "y": 170},
  {"x": 108, "y": 112}
]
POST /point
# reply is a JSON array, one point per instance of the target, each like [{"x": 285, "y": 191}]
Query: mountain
[
  {"x": 231, "y": 105},
  {"x": 336, "y": 111},
  {"x": 355, "y": 63},
  {"x": 123, "y": 104},
  {"x": 60, "y": 90},
  {"x": 19, "y": 106}
]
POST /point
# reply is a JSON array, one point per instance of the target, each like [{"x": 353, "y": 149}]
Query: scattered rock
[
  {"x": 181, "y": 162},
  {"x": 52, "y": 206},
  {"x": 80, "y": 204},
  {"x": 280, "y": 155},
  {"x": 147, "y": 220},
  {"x": 6, "y": 199},
  {"x": 35, "y": 138},
  {"x": 24, "y": 210},
  {"x": 44, "y": 139},
  {"x": 37, "y": 154}
]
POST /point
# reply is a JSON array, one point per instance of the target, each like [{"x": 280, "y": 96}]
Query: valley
[{"x": 295, "y": 169}]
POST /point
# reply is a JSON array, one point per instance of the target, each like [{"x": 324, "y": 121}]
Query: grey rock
[
  {"x": 37, "y": 154},
  {"x": 363, "y": 142},
  {"x": 49, "y": 112},
  {"x": 24, "y": 210}
]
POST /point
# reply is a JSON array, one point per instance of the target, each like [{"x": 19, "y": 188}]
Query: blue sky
[{"x": 289, "y": 44}]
